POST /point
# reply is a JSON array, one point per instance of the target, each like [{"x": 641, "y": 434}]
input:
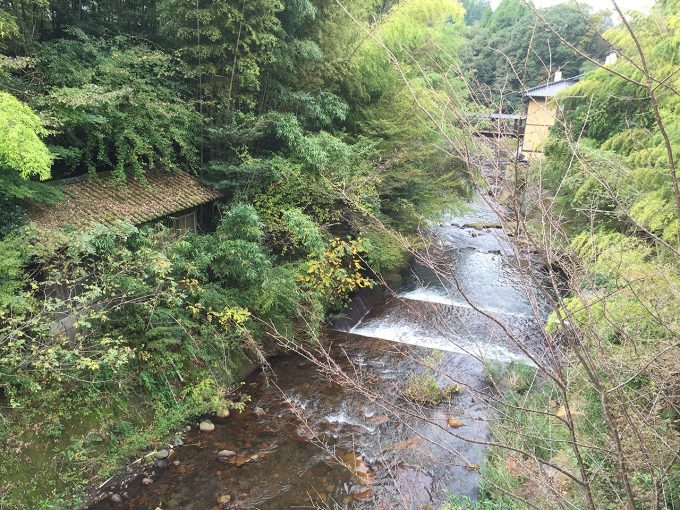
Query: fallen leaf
[
  {"x": 379, "y": 420},
  {"x": 407, "y": 443},
  {"x": 359, "y": 467},
  {"x": 363, "y": 495},
  {"x": 515, "y": 466},
  {"x": 455, "y": 423},
  {"x": 239, "y": 460}
]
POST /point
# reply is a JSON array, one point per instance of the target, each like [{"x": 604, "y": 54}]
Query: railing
[{"x": 497, "y": 125}]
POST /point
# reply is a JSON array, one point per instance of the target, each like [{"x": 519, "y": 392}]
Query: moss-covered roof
[{"x": 101, "y": 199}]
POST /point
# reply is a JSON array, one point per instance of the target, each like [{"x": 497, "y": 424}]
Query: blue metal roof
[
  {"x": 508, "y": 116},
  {"x": 553, "y": 88}
]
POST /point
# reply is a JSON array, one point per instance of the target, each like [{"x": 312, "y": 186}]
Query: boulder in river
[
  {"x": 147, "y": 481},
  {"x": 116, "y": 498},
  {"x": 206, "y": 426},
  {"x": 162, "y": 454},
  {"x": 225, "y": 454}
]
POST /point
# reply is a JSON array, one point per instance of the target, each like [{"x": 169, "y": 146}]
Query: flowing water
[{"x": 310, "y": 439}]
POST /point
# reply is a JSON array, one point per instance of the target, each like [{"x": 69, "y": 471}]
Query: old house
[
  {"x": 541, "y": 113},
  {"x": 175, "y": 198}
]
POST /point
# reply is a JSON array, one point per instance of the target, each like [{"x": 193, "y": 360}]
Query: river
[{"x": 343, "y": 436}]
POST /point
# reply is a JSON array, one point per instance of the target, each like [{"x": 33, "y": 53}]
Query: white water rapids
[{"x": 452, "y": 308}]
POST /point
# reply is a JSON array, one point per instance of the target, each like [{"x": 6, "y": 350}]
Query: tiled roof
[
  {"x": 553, "y": 88},
  {"x": 100, "y": 199}
]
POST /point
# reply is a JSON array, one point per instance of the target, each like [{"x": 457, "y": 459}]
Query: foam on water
[
  {"x": 429, "y": 295},
  {"x": 407, "y": 334},
  {"x": 296, "y": 401},
  {"x": 343, "y": 419}
]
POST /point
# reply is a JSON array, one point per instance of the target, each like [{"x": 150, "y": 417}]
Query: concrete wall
[
  {"x": 541, "y": 115},
  {"x": 361, "y": 304}
]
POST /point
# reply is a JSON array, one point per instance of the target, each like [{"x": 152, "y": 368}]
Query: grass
[
  {"x": 525, "y": 423},
  {"x": 69, "y": 440},
  {"x": 465, "y": 503},
  {"x": 516, "y": 376},
  {"x": 424, "y": 388},
  {"x": 54, "y": 450}
]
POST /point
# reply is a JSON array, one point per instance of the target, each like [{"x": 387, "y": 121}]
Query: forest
[{"x": 334, "y": 134}]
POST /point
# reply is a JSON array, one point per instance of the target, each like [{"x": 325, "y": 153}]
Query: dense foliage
[
  {"x": 610, "y": 178},
  {"x": 322, "y": 123},
  {"x": 511, "y": 48},
  {"x": 285, "y": 106},
  {"x": 616, "y": 150}
]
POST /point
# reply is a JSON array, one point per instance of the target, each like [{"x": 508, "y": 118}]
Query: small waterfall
[
  {"x": 405, "y": 333},
  {"x": 438, "y": 296},
  {"x": 431, "y": 312}
]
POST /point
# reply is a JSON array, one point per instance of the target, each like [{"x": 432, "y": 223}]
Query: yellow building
[{"x": 541, "y": 113}]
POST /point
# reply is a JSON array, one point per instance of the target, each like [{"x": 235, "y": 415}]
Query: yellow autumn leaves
[{"x": 339, "y": 269}]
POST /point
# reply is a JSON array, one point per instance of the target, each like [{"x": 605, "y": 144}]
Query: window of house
[{"x": 185, "y": 222}]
